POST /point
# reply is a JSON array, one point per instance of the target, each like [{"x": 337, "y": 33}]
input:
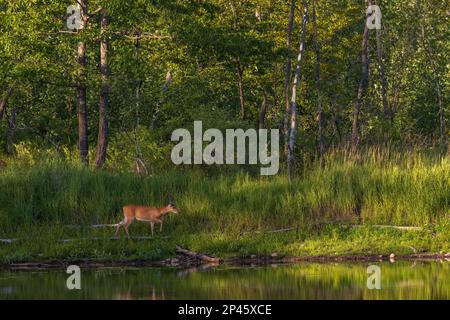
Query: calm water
[{"x": 399, "y": 280}]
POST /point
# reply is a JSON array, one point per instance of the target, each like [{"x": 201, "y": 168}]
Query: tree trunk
[
  {"x": 5, "y": 98},
  {"x": 137, "y": 95},
  {"x": 102, "y": 140},
  {"x": 11, "y": 132},
  {"x": 361, "y": 86},
  {"x": 319, "y": 96},
  {"x": 239, "y": 67},
  {"x": 262, "y": 112},
  {"x": 81, "y": 89},
  {"x": 442, "y": 130},
  {"x": 161, "y": 100},
  {"x": 141, "y": 168},
  {"x": 240, "y": 77},
  {"x": 274, "y": 85},
  {"x": 293, "y": 108},
  {"x": 430, "y": 56},
  {"x": 388, "y": 115},
  {"x": 287, "y": 82},
  {"x": 387, "y": 112},
  {"x": 336, "y": 121}
]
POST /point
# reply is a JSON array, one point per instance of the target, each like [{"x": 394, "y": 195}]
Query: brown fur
[{"x": 144, "y": 213}]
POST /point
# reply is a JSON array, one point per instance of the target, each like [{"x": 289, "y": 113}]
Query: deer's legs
[
  {"x": 126, "y": 225},
  {"x": 152, "y": 225},
  {"x": 120, "y": 224},
  {"x": 126, "y": 230},
  {"x": 160, "y": 222}
]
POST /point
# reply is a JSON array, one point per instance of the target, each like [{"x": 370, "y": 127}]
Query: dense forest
[
  {"x": 91, "y": 92},
  {"x": 113, "y": 90}
]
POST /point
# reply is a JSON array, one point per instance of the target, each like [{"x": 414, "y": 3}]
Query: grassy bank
[{"x": 226, "y": 215}]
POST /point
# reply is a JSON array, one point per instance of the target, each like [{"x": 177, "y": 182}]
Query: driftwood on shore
[{"x": 195, "y": 255}]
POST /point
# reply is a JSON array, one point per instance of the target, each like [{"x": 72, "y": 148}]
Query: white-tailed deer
[{"x": 144, "y": 213}]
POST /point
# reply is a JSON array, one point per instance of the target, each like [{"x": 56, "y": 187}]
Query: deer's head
[{"x": 171, "y": 208}]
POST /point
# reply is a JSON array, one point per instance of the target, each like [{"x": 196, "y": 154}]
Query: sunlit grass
[{"x": 217, "y": 211}]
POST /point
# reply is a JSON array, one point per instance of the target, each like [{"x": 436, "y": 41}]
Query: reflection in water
[
  {"x": 400, "y": 280},
  {"x": 129, "y": 296},
  {"x": 200, "y": 268}
]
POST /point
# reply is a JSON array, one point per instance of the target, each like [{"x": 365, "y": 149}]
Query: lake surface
[{"x": 399, "y": 280}]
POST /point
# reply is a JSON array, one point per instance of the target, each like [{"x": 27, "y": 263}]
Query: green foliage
[{"x": 202, "y": 44}]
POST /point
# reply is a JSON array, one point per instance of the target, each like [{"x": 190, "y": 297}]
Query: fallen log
[
  {"x": 91, "y": 226},
  {"x": 408, "y": 228},
  {"x": 112, "y": 238},
  {"x": 269, "y": 231},
  {"x": 103, "y": 225},
  {"x": 8, "y": 240},
  {"x": 196, "y": 255}
]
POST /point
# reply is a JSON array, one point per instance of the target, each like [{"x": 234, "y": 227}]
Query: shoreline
[{"x": 183, "y": 263}]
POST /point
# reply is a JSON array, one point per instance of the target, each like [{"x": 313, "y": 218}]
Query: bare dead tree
[
  {"x": 161, "y": 100},
  {"x": 293, "y": 109},
  {"x": 363, "y": 80},
  {"x": 287, "y": 81},
  {"x": 141, "y": 168}
]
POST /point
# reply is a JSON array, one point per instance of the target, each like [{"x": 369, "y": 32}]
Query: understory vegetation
[{"x": 334, "y": 211}]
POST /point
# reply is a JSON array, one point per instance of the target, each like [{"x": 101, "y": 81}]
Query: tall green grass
[{"x": 373, "y": 188}]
